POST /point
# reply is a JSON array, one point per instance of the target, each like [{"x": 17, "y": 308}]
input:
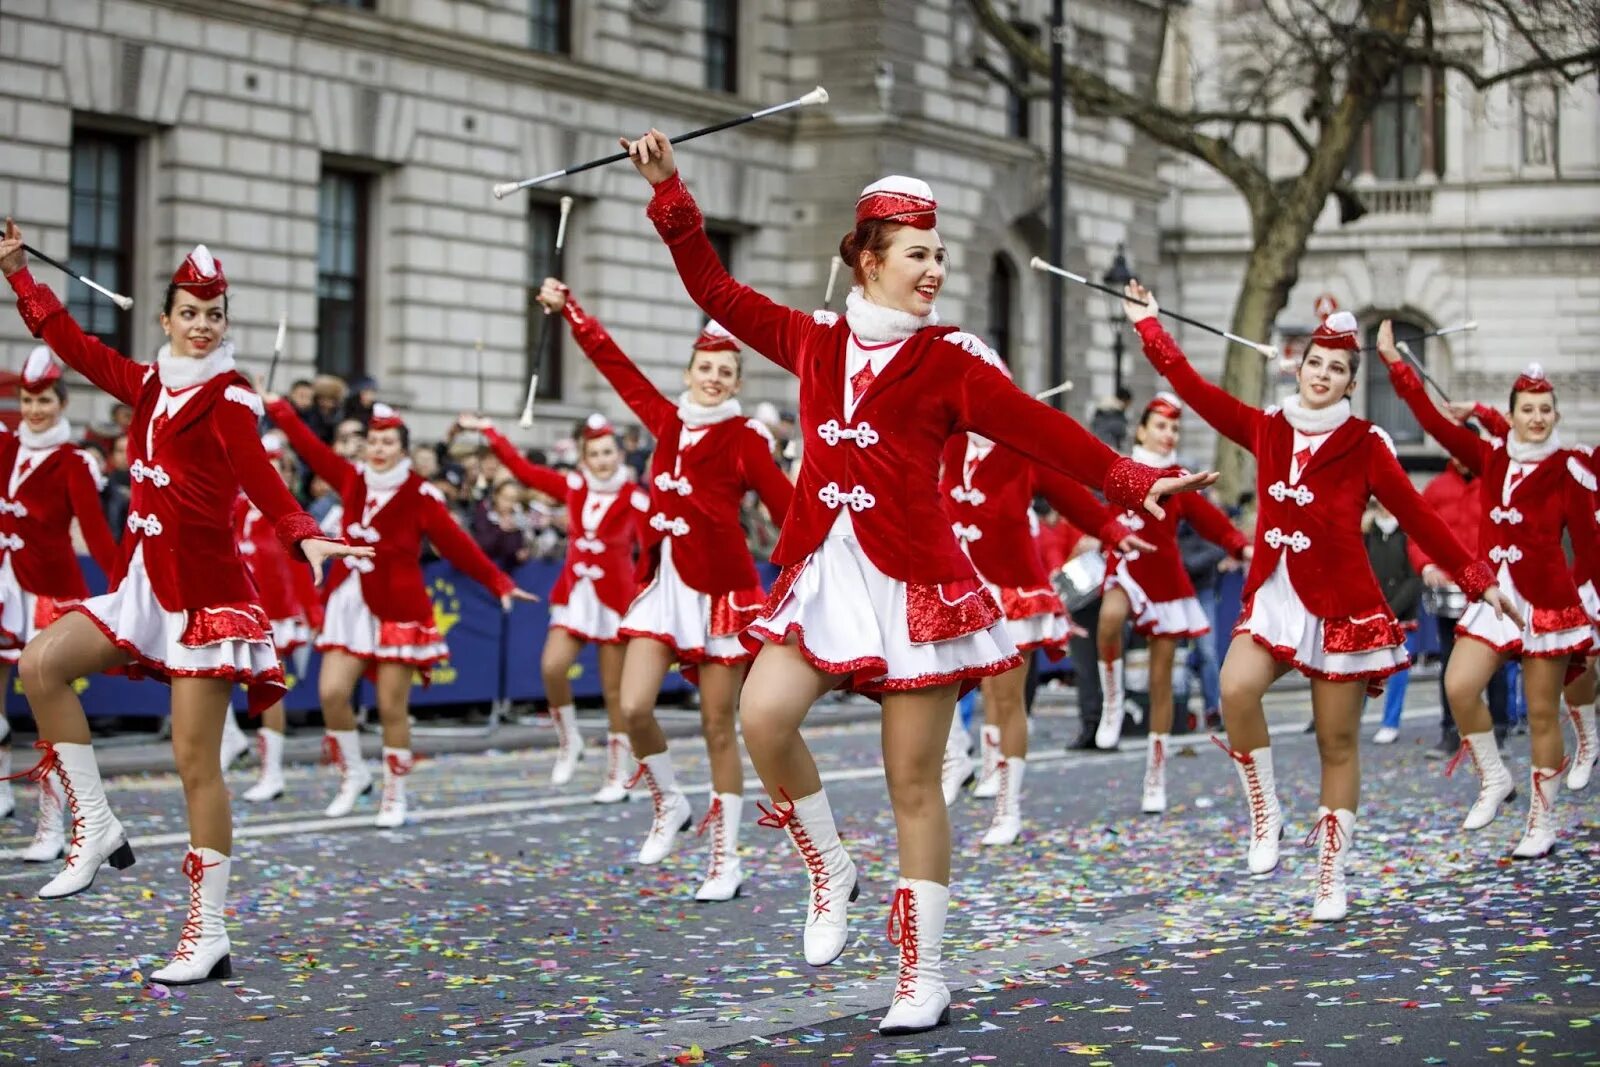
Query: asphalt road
[{"x": 508, "y": 925}]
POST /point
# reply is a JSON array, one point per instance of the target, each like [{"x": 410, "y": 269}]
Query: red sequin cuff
[
  {"x": 1475, "y": 579},
  {"x": 1128, "y": 483},
  {"x": 1404, "y": 379},
  {"x": 586, "y": 330},
  {"x": 1112, "y": 533},
  {"x": 35, "y": 302},
  {"x": 673, "y": 210},
  {"x": 297, "y": 526},
  {"x": 1162, "y": 351}
]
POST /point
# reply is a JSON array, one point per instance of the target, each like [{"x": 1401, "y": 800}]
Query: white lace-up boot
[
  {"x": 234, "y": 741},
  {"x": 620, "y": 766},
  {"x": 1006, "y": 826},
  {"x": 833, "y": 885},
  {"x": 569, "y": 744},
  {"x": 1334, "y": 834},
  {"x": 1495, "y": 786},
  {"x": 269, "y": 745},
  {"x": 397, "y": 763},
  {"x": 49, "y": 837},
  {"x": 1154, "y": 801},
  {"x": 203, "y": 953},
  {"x": 724, "y": 876},
  {"x": 8, "y": 799},
  {"x": 989, "y": 757},
  {"x": 672, "y": 814},
  {"x": 958, "y": 765},
  {"x": 1586, "y": 749},
  {"x": 1539, "y": 837},
  {"x": 916, "y": 924},
  {"x": 1112, "y": 700},
  {"x": 1261, "y": 798},
  {"x": 96, "y": 836},
  {"x": 342, "y": 748}
]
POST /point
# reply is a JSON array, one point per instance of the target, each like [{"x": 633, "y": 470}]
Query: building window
[
  {"x": 1384, "y": 407},
  {"x": 1002, "y": 297},
  {"x": 722, "y": 241},
  {"x": 100, "y": 232},
  {"x": 359, "y": 5},
  {"x": 1404, "y": 138},
  {"x": 342, "y": 273},
  {"x": 543, "y": 262},
  {"x": 722, "y": 45},
  {"x": 1541, "y": 111},
  {"x": 550, "y": 26},
  {"x": 1019, "y": 109}
]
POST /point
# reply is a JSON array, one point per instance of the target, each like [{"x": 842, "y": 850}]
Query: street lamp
[{"x": 1116, "y": 276}]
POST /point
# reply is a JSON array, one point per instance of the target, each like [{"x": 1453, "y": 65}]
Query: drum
[
  {"x": 1079, "y": 579},
  {"x": 1445, "y": 602}
]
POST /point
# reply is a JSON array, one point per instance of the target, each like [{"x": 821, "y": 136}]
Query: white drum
[{"x": 1080, "y": 578}]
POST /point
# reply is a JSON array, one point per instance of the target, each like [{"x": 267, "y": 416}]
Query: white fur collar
[
  {"x": 979, "y": 442},
  {"x": 1526, "y": 453},
  {"x": 59, "y": 434},
  {"x": 1158, "y": 460},
  {"x": 1320, "y": 421},
  {"x": 613, "y": 484},
  {"x": 383, "y": 481},
  {"x": 876, "y": 324},
  {"x": 698, "y": 416},
  {"x": 180, "y": 372}
]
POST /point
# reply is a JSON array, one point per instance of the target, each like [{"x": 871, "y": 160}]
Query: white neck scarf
[
  {"x": 59, "y": 434},
  {"x": 1159, "y": 460},
  {"x": 382, "y": 481},
  {"x": 1526, "y": 453},
  {"x": 1387, "y": 523},
  {"x": 978, "y": 441},
  {"x": 613, "y": 484},
  {"x": 182, "y": 372},
  {"x": 876, "y": 324},
  {"x": 698, "y": 416},
  {"x": 1318, "y": 421}
]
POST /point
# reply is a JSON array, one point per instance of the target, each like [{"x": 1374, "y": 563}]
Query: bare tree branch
[{"x": 1570, "y": 67}]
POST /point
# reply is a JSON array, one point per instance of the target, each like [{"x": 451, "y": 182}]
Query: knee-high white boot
[
  {"x": 1495, "y": 785},
  {"x": 620, "y": 766},
  {"x": 916, "y": 925},
  {"x": 1539, "y": 837},
  {"x": 958, "y": 765},
  {"x": 397, "y": 763},
  {"x": 1112, "y": 698},
  {"x": 1586, "y": 750},
  {"x": 833, "y": 885},
  {"x": 569, "y": 744},
  {"x": 724, "y": 875},
  {"x": 270, "y": 785},
  {"x": 1261, "y": 798},
  {"x": 1334, "y": 833},
  {"x": 989, "y": 758},
  {"x": 97, "y": 837},
  {"x": 204, "y": 952},
  {"x": 342, "y": 748},
  {"x": 1006, "y": 826},
  {"x": 672, "y": 814}
]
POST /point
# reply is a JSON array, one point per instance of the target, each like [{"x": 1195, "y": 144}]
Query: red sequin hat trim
[
  {"x": 385, "y": 417},
  {"x": 1165, "y": 404},
  {"x": 898, "y": 198},
  {"x": 714, "y": 338},
  {"x": 1532, "y": 380},
  {"x": 1338, "y": 331},
  {"x": 201, "y": 274},
  {"x": 596, "y": 426}
]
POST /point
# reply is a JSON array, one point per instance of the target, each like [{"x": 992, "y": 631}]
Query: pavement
[{"x": 507, "y": 924}]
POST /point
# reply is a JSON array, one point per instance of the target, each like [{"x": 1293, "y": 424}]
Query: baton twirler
[
  {"x": 123, "y": 302},
  {"x": 819, "y": 95}
]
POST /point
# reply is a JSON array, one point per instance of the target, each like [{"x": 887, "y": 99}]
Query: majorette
[
  {"x": 988, "y": 491},
  {"x": 1533, "y": 491},
  {"x": 378, "y": 619},
  {"x": 1154, "y": 590},
  {"x": 1311, "y": 601},
  {"x": 45, "y": 481},
  {"x": 294, "y": 606},
  {"x": 183, "y": 608},
  {"x": 594, "y": 589},
  {"x": 699, "y": 587},
  {"x": 876, "y": 592}
]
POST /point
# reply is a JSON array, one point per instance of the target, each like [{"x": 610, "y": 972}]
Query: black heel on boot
[{"x": 122, "y": 858}]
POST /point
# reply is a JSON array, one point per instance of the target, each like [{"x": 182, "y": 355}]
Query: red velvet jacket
[
  {"x": 36, "y": 522},
  {"x": 694, "y": 493},
  {"x": 1455, "y": 498},
  {"x": 288, "y": 590},
  {"x": 599, "y": 546},
  {"x": 391, "y": 581},
  {"x": 884, "y": 465},
  {"x": 184, "y": 490},
  {"x": 1317, "y": 520},
  {"x": 1161, "y": 573},
  {"x": 990, "y": 508},
  {"x": 1522, "y": 528}
]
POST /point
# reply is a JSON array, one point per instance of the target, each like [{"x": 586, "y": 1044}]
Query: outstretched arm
[
  {"x": 84, "y": 482},
  {"x": 1228, "y": 415},
  {"x": 453, "y": 543},
  {"x": 1210, "y": 522},
  {"x": 1080, "y": 508},
  {"x": 1421, "y": 523},
  {"x": 1460, "y": 441},
  {"x": 547, "y": 480},
  {"x": 777, "y": 332},
  {"x": 762, "y": 473},
  {"x": 323, "y": 461},
  {"x": 637, "y": 391}
]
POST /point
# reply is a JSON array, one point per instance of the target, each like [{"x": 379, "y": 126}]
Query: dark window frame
[
  {"x": 1019, "y": 108},
  {"x": 552, "y": 19},
  {"x": 544, "y": 216},
  {"x": 722, "y": 45},
  {"x": 1384, "y": 406},
  {"x": 107, "y": 261},
  {"x": 354, "y": 364},
  {"x": 1001, "y": 309}
]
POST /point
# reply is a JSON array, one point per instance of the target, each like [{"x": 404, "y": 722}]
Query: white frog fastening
[
  {"x": 1505, "y": 555},
  {"x": 857, "y": 499},
  {"x": 139, "y": 471},
  {"x": 1297, "y": 541},
  {"x": 1506, "y": 516},
  {"x": 588, "y": 570},
  {"x": 589, "y": 544},
  {"x": 861, "y": 433},
  {"x": 149, "y": 525},
  {"x": 11, "y": 543},
  {"x": 962, "y": 495},
  {"x": 14, "y": 507},
  {"x": 675, "y": 527},
  {"x": 1300, "y": 494},
  {"x": 668, "y": 484},
  {"x": 363, "y": 532},
  {"x": 966, "y": 533}
]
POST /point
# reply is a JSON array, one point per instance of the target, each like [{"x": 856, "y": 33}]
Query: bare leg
[
  {"x": 1114, "y": 609},
  {"x": 1336, "y": 710},
  {"x": 394, "y": 704},
  {"x": 1582, "y": 690},
  {"x": 611, "y": 657},
  {"x": 1163, "y": 650},
  {"x": 72, "y": 647},
  {"x": 915, "y": 725},
  {"x": 1472, "y": 665},
  {"x": 644, "y": 668},
  {"x": 719, "y": 697},
  {"x": 274, "y": 718},
  {"x": 777, "y": 695},
  {"x": 1541, "y": 686},
  {"x": 198, "y": 705},
  {"x": 1248, "y": 671},
  {"x": 561, "y": 651},
  {"x": 335, "y": 686},
  {"x": 1004, "y": 706}
]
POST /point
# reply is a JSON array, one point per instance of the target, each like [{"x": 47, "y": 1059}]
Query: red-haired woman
[
  {"x": 875, "y": 590},
  {"x": 182, "y": 607},
  {"x": 1311, "y": 601},
  {"x": 378, "y": 620},
  {"x": 988, "y": 490},
  {"x": 1154, "y": 590},
  {"x": 699, "y": 587},
  {"x": 293, "y": 604},
  {"x": 1533, "y": 491},
  {"x": 594, "y": 590},
  {"x": 45, "y": 481}
]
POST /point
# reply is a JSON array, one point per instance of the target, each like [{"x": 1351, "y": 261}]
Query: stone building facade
[{"x": 338, "y": 156}]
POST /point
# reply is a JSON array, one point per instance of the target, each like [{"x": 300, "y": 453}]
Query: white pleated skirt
[
  {"x": 1339, "y": 650},
  {"x": 670, "y": 611},
  {"x": 585, "y": 617},
  {"x": 351, "y": 627},
  {"x": 1544, "y": 635},
  {"x": 1179, "y": 618}
]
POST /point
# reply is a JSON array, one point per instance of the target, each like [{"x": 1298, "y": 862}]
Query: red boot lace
[
  {"x": 40, "y": 773},
  {"x": 332, "y": 754},
  {"x": 717, "y": 824},
  {"x": 1333, "y": 842},
  {"x": 613, "y": 759},
  {"x": 49, "y": 823},
  {"x": 398, "y": 768},
  {"x": 781, "y": 816},
  {"x": 1158, "y": 757},
  {"x": 1584, "y": 753},
  {"x": 657, "y": 798},
  {"x": 903, "y": 933},
  {"x": 1002, "y": 807},
  {"x": 261, "y": 747},
  {"x": 558, "y": 721},
  {"x": 193, "y": 869},
  {"x": 1539, "y": 778},
  {"x": 1255, "y": 796},
  {"x": 1464, "y": 752}
]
